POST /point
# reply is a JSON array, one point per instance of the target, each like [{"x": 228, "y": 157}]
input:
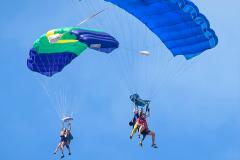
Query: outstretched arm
[
  {"x": 135, "y": 106},
  {"x": 62, "y": 125},
  {"x": 69, "y": 126},
  {"x": 147, "y": 110}
]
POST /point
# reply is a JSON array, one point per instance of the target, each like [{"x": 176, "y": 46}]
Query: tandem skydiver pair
[
  {"x": 139, "y": 121},
  {"x": 65, "y": 136}
]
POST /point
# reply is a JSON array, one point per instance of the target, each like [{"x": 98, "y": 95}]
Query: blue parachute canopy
[{"x": 177, "y": 23}]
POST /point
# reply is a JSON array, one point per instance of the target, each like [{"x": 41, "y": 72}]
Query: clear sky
[{"x": 195, "y": 116}]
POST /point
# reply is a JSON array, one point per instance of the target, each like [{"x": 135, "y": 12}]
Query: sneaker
[
  {"x": 69, "y": 153},
  {"x": 140, "y": 143},
  {"x": 130, "y": 137},
  {"x": 62, "y": 156},
  {"x": 154, "y": 146}
]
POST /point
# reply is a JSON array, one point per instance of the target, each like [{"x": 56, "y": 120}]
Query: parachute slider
[
  {"x": 144, "y": 53},
  {"x": 67, "y": 119}
]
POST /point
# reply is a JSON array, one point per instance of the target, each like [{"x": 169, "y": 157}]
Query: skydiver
[
  {"x": 63, "y": 141},
  {"x": 142, "y": 125},
  {"x": 138, "y": 123},
  {"x": 69, "y": 137},
  {"x": 66, "y": 137},
  {"x": 144, "y": 130}
]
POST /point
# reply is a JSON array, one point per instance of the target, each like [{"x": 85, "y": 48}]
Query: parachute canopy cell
[
  {"x": 58, "y": 47},
  {"x": 178, "y": 24}
]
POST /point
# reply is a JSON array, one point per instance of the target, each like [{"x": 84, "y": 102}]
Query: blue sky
[{"x": 195, "y": 116}]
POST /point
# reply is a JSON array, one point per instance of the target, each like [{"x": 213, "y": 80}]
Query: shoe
[
  {"x": 140, "y": 143},
  {"x": 154, "y": 146},
  {"x": 130, "y": 137},
  {"x": 62, "y": 156},
  {"x": 55, "y": 153},
  {"x": 69, "y": 153}
]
